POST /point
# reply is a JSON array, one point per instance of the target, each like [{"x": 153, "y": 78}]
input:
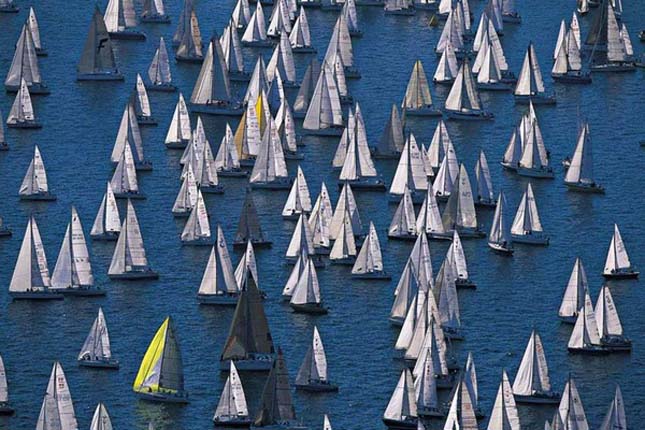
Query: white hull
[
  {"x": 545, "y": 173},
  {"x": 531, "y": 239}
]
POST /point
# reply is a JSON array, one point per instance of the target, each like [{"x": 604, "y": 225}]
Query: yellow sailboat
[{"x": 161, "y": 376}]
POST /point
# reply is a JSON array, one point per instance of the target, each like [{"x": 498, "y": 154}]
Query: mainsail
[
  {"x": 97, "y": 342},
  {"x": 57, "y": 410},
  {"x": 98, "y": 53},
  {"x": 73, "y": 268},
  {"x": 129, "y": 253},
  {"x": 314, "y": 365},
  {"x": 232, "y": 401},
  {"x": 276, "y": 405},
  {"x": 31, "y": 272},
  {"x": 219, "y": 277}
]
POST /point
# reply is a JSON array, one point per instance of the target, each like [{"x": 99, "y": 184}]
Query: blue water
[{"x": 514, "y": 295}]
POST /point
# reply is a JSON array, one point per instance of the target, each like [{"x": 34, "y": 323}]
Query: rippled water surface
[{"x": 514, "y": 295}]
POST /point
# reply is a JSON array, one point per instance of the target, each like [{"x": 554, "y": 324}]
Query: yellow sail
[
  {"x": 259, "y": 111},
  {"x": 147, "y": 379},
  {"x": 239, "y": 138}
]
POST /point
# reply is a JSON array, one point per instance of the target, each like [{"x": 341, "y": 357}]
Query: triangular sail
[
  {"x": 129, "y": 253},
  {"x": 57, "y": 411},
  {"x": 31, "y": 272},
  {"x": 73, "y": 268},
  {"x": 98, "y": 52},
  {"x": 276, "y": 405},
  {"x": 232, "y": 402},
  {"x": 219, "y": 277},
  {"x": 533, "y": 374},
  {"x": 97, "y": 342}
]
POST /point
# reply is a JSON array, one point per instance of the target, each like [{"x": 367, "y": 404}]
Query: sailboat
[
  {"x": 96, "y": 351},
  {"x": 34, "y": 185},
  {"x": 72, "y": 274},
  {"x": 197, "y": 230},
  {"x": 4, "y": 230},
  {"x": 30, "y": 280},
  {"x": 241, "y": 15},
  {"x": 530, "y": 86},
  {"x": 440, "y": 145},
  {"x": 306, "y": 296},
  {"x": 567, "y": 67},
  {"x": 445, "y": 291},
  {"x": 227, "y": 163},
  {"x": 527, "y": 227},
  {"x": 22, "y": 113},
  {"x": 615, "y": 417},
  {"x": 369, "y": 263},
  {"x": 459, "y": 214},
  {"x": 574, "y": 295},
  {"x": 270, "y": 169},
  {"x": 247, "y": 266},
  {"x": 25, "y": 65},
  {"x": 255, "y": 34},
  {"x": 232, "y": 409},
  {"x": 212, "y": 93},
  {"x": 453, "y": 31},
  {"x": 485, "y": 196},
  {"x": 276, "y": 405},
  {"x": 189, "y": 42},
  {"x": 532, "y": 384},
  {"x": 5, "y": 406},
  {"x": 612, "y": 49},
  {"x": 120, "y": 20},
  {"x": 232, "y": 50},
  {"x": 417, "y": 100},
  {"x": 344, "y": 249},
  {"x": 124, "y": 180},
  {"x": 392, "y": 139},
  {"x": 300, "y": 37},
  {"x": 279, "y": 22},
  {"x": 404, "y": 223},
  {"x": 579, "y": 176},
  {"x": 107, "y": 223},
  {"x": 324, "y": 115},
  {"x": 249, "y": 344},
  {"x": 513, "y": 153},
  {"x": 161, "y": 374},
  {"x": 320, "y": 221},
  {"x": 160, "y": 78},
  {"x": 101, "y": 418},
  {"x": 429, "y": 218},
  {"x": 399, "y": 7},
  {"x": 499, "y": 238},
  {"x": 249, "y": 228},
  {"x": 8, "y": 6},
  {"x": 617, "y": 264},
  {"x": 463, "y": 102},
  {"x": 610, "y": 329},
  {"x": 490, "y": 76},
  {"x": 504, "y": 415},
  {"x": 461, "y": 414},
  {"x": 299, "y": 200},
  {"x": 141, "y": 103},
  {"x": 307, "y": 89},
  {"x": 154, "y": 12},
  {"x": 425, "y": 386},
  {"x": 571, "y": 412},
  {"x": 410, "y": 173},
  {"x": 282, "y": 62},
  {"x": 401, "y": 411},
  {"x": 534, "y": 161},
  {"x": 187, "y": 196},
  {"x": 312, "y": 375},
  {"x": 302, "y": 244},
  {"x": 341, "y": 44},
  {"x": 585, "y": 338},
  {"x": 129, "y": 260},
  {"x": 57, "y": 410},
  {"x": 180, "y": 131},
  {"x": 98, "y": 62},
  {"x": 129, "y": 135}
]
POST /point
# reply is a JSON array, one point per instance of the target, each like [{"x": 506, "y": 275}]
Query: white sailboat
[
  {"x": 141, "y": 103},
  {"x": 301, "y": 243},
  {"x": 120, "y": 20},
  {"x": 421, "y": 261},
  {"x": 72, "y": 274},
  {"x": 34, "y": 28},
  {"x": 247, "y": 266},
  {"x": 611, "y": 47},
  {"x": 574, "y": 295},
  {"x": 129, "y": 260},
  {"x": 25, "y": 64},
  {"x": 404, "y": 223},
  {"x": 609, "y": 327},
  {"x": 426, "y": 390},
  {"x": 197, "y": 230},
  {"x": 5, "y": 406},
  {"x": 440, "y": 145},
  {"x": 399, "y": 7},
  {"x": 184, "y": 23},
  {"x": 341, "y": 44},
  {"x": 283, "y": 63},
  {"x": 499, "y": 237},
  {"x": 129, "y": 135},
  {"x": 410, "y": 175},
  {"x": 320, "y": 221},
  {"x": 249, "y": 229},
  {"x": 417, "y": 100},
  {"x": 530, "y": 86},
  {"x": 429, "y": 218},
  {"x": 527, "y": 227},
  {"x": 30, "y": 280},
  {"x": 344, "y": 250},
  {"x": 96, "y": 351},
  {"x": 463, "y": 102},
  {"x": 107, "y": 223},
  {"x": 346, "y": 203},
  {"x": 279, "y": 22},
  {"x": 98, "y": 62},
  {"x": 101, "y": 418},
  {"x": 445, "y": 291},
  {"x": 580, "y": 175},
  {"x": 57, "y": 410},
  {"x": 154, "y": 12},
  {"x": 306, "y": 297},
  {"x": 233, "y": 55},
  {"x": 160, "y": 78},
  {"x": 180, "y": 130},
  {"x": 212, "y": 92},
  {"x": 585, "y": 338},
  {"x": 187, "y": 196},
  {"x": 300, "y": 37},
  {"x": 369, "y": 263},
  {"x": 324, "y": 115},
  {"x": 532, "y": 384},
  {"x": 124, "y": 180},
  {"x": 401, "y": 411},
  {"x": 459, "y": 214},
  {"x": 227, "y": 162},
  {"x": 617, "y": 264},
  {"x": 161, "y": 375},
  {"x": 452, "y": 33},
  {"x": 461, "y": 414},
  {"x": 307, "y": 89},
  {"x": 286, "y": 124},
  {"x": 270, "y": 168},
  {"x": 232, "y": 409},
  {"x": 34, "y": 185},
  {"x": 446, "y": 177},
  {"x": 568, "y": 67},
  {"x": 219, "y": 284},
  {"x": 256, "y": 31},
  {"x": 485, "y": 195},
  {"x": 299, "y": 200},
  {"x": 22, "y": 113},
  {"x": 504, "y": 415},
  {"x": 312, "y": 375},
  {"x": 513, "y": 152},
  {"x": 457, "y": 258},
  {"x": 241, "y": 14},
  {"x": 534, "y": 161},
  {"x": 571, "y": 412},
  {"x": 189, "y": 40},
  {"x": 615, "y": 418}
]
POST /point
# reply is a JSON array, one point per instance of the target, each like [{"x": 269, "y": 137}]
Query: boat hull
[
  {"x": 278, "y": 184},
  {"x": 213, "y": 189},
  {"x": 99, "y": 364},
  {"x": 164, "y": 88},
  {"x": 304, "y": 49},
  {"x": 179, "y": 398},
  {"x": 571, "y": 79},
  {"x": 409, "y": 424},
  {"x": 214, "y": 109},
  {"x": 127, "y": 35},
  {"x": 309, "y": 308},
  {"x": 5, "y": 232},
  {"x": 233, "y": 422},
  {"x": 613, "y": 68},
  {"x": 469, "y": 116},
  {"x": 35, "y": 295},
  {"x": 536, "y": 99},
  {"x": 131, "y": 196},
  {"x": 81, "y": 291},
  {"x": 134, "y": 276},
  {"x": 258, "y": 44},
  {"x": 402, "y": 236},
  {"x": 352, "y": 72},
  {"x": 5, "y": 409},
  {"x": 41, "y": 197},
  {"x": 511, "y": 19},
  {"x": 202, "y": 241},
  {"x": 318, "y": 387},
  {"x": 571, "y": 319},
  {"x": 34, "y": 89},
  {"x": 112, "y": 76},
  {"x": 365, "y": 184},
  {"x": 396, "y": 321},
  {"x": 535, "y": 173},
  {"x": 585, "y": 188},
  {"x": 239, "y": 76},
  {"x": 423, "y": 111},
  {"x": 622, "y": 274},
  {"x": 616, "y": 344},
  {"x": 330, "y": 131},
  {"x": 24, "y": 124},
  {"x": 486, "y": 203},
  {"x": 465, "y": 284},
  {"x": 146, "y": 120},
  {"x": 538, "y": 399},
  {"x": 346, "y": 261},
  {"x": 401, "y": 12},
  {"x": 106, "y": 237},
  {"x": 235, "y": 173},
  {"x": 155, "y": 19},
  {"x": 256, "y": 244},
  {"x": 494, "y": 86},
  {"x": 9, "y": 9},
  {"x": 189, "y": 59},
  {"x": 217, "y": 299},
  {"x": 249, "y": 365},
  {"x": 430, "y": 412},
  {"x": 589, "y": 350},
  {"x": 500, "y": 249},
  {"x": 531, "y": 239},
  {"x": 379, "y": 276}
]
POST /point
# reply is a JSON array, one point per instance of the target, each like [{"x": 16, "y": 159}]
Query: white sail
[
  {"x": 219, "y": 277},
  {"x": 280, "y": 22},
  {"x": 119, "y": 15},
  {"x": 97, "y": 342},
  {"x": 585, "y": 332},
  {"x": 346, "y": 203},
  {"x": 324, "y": 110},
  {"x": 530, "y": 80},
  {"x": 101, "y": 418},
  {"x": 527, "y": 219},
  {"x": 457, "y": 255},
  {"x": 460, "y": 209},
  {"x": 256, "y": 30},
  {"x": 463, "y": 94},
  {"x": 429, "y": 218},
  {"x": 451, "y": 34},
  {"x": 320, "y": 219},
  {"x": 403, "y": 403},
  {"x": 607, "y": 315},
  {"x": 533, "y": 374},
  {"x": 574, "y": 294},
  {"x": 35, "y": 180},
  {"x": 417, "y": 94},
  {"x": 129, "y": 253},
  {"x": 314, "y": 365},
  {"x": 410, "y": 173},
  {"x": 341, "y": 42},
  {"x": 22, "y": 110},
  {"x": 461, "y": 414},
  {"x": 299, "y": 200},
  {"x": 57, "y": 410},
  {"x": 301, "y": 240},
  {"x": 213, "y": 84},
  {"x": 307, "y": 289},
  {"x": 107, "y": 219},
  {"x": 500, "y": 232},
  {"x": 300, "y": 36},
  {"x": 448, "y": 170},
  {"x": 404, "y": 221},
  {"x": 32, "y": 21},
  {"x": 447, "y": 68},
  {"x": 369, "y": 258},
  {"x": 197, "y": 227},
  {"x": 504, "y": 415},
  {"x": 232, "y": 401},
  {"x": 484, "y": 182},
  {"x": 405, "y": 292},
  {"x": 73, "y": 268},
  {"x": 439, "y": 147},
  {"x": 617, "y": 258},
  {"x": 448, "y": 304},
  {"x": 25, "y": 62},
  {"x": 615, "y": 419},
  {"x": 226, "y": 158},
  {"x": 344, "y": 244},
  {"x": 142, "y": 101},
  {"x": 562, "y": 35},
  {"x": 232, "y": 49},
  {"x": 246, "y": 266},
  {"x": 282, "y": 61},
  {"x": 470, "y": 378},
  {"x": 434, "y": 345},
  {"x": 159, "y": 70},
  {"x": 270, "y": 164},
  {"x": 187, "y": 196},
  {"x": 124, "y": 179},
  {"x": 581, "y": 168},
  {"x": 241, "y": 14},
  {"x": 31, "y": 272},
  {"x": 358, "y": 162},
  {"x": 426, "y": 386},
  {"x": 571, "y": 410},
  {"x": 128, "y": 135},
  {"x": 4, "y": 390},
  {"x": 180, "y": 129},
  {"x": 421, "y": 261}
]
